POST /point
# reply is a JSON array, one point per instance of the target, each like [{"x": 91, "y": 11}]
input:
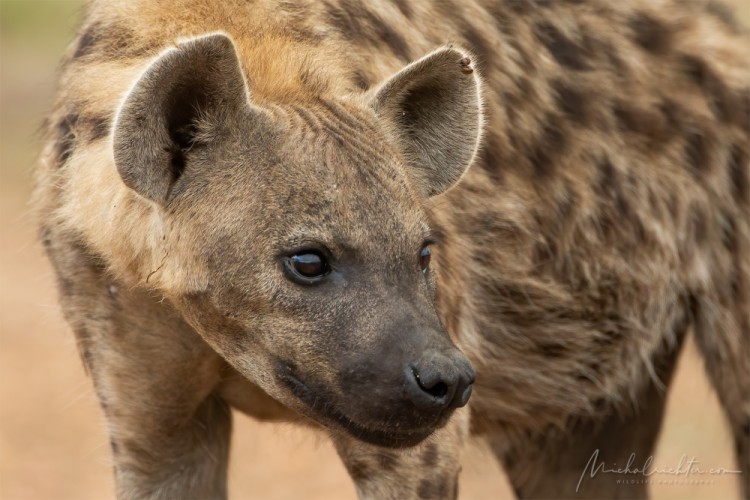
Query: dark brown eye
[
  {"x": 424, "y": 258},
  {"x": 307, "y": 267}
]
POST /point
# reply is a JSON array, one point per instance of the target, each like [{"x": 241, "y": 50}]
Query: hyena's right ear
[{"x": 187, "y": 89}]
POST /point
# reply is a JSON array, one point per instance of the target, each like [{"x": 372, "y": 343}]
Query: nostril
[
  {"x": 438, "y": 383},
  {"x": 438, "y": 390},
  {"x": 432, "y": 385}
]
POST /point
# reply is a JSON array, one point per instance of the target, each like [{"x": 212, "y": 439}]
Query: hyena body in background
[{"x": 240, "y": 199}]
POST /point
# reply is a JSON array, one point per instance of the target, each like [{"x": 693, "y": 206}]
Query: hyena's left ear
[{"x": 434, "y": 108}]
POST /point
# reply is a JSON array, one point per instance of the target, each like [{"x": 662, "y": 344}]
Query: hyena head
[{"x": 305, "y": 225}]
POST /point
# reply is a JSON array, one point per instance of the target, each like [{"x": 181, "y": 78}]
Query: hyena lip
[{"x": 320, "y": 409}]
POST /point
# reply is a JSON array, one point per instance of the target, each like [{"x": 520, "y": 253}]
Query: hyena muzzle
[{"x": 242, "y": 200}]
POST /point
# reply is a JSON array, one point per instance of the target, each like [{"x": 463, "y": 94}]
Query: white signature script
[{"x": 684, "y": 467}]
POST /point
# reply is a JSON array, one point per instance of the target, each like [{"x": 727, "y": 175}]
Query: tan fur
[{"x": 607, "y": 212}]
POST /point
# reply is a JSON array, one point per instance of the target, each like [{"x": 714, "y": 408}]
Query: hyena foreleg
[
  {"x": 571, "y": 463},
  {"x": 723, "y": 337},
  {"x": 428, "y": 471},
  {"x": 154, "y": 378}
]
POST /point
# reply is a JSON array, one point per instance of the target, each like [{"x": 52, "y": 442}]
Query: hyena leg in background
[
  {"x": 429, "y": 470},
  {"x": 154, "y": 379},
  {"x": 552, "y": 465},
  {"x": 723, "y": 337}
]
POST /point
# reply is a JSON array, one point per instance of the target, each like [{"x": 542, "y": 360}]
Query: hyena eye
[
  {"x": 307, "y": 267},
  {"x": 424, "y": 258}
]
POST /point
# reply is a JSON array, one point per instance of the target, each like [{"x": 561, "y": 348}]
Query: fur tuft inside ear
[{"x": 434, "y": 107}]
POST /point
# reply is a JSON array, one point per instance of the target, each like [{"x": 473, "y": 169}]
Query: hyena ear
[
  {"x": 434, "y": 107},
  {"x": 195, "y": 86}
]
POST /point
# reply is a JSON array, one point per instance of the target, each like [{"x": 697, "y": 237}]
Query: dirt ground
[{"x": 52, "y": 438}]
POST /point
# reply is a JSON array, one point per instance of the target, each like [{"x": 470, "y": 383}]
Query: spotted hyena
[{"x": 296, "y": 208}]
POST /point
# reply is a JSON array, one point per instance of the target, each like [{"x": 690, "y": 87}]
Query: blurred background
[{"x": 53, "y": 443}]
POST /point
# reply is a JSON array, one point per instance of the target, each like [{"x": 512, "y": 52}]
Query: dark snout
[
  {"x": 439, "y": 381},
  {"x": 395, "y": 393}
]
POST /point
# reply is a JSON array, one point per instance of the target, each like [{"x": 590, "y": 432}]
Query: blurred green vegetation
[
  {"x": 39, "y": 24},
  {"x": 33, "y": 36}
]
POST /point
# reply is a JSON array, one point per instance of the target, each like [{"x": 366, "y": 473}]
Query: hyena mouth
[{"x": 322, "y": 408}]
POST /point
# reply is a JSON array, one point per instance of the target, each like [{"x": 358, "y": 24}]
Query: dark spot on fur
[
  {"x": 477, "y": 44},
  {"x": 110, "y": 41},
  {"x": 724, "y": 14},
  {"x": 726, "y": 105},
  {"x": 550, "y": 146},
  {"x": 99, "y": 127},
  {"x": 736, "y": 288},
  {"x": 616, "y": 62},
  {"x": 566, "y": 204},
  {"x": 433, "y": 489},
  {"x": 379, "y": 30},
  {"x": 65, "y": 286},
  {"x": 650, "y": 33},
  {"x": 520, "y": 6},
  {"x": 361, "y": 80},
  {"x": 729, "y": 234},
  {"x": 739, "y": 173},
  {"x": 565, "y": 51},
  {"x": 608, "y": 225},
  {"x": 405, "y": 7},
  {"x": 306, "y": 34},
  {"x": 575, "y": 103},
  {"x": 591, "y": 374},
  {"x": 553, "y": 350},
  {"x": 612, "y": 330},
  {"x": 430, "y": 456},
  {"x": 637, "y": 231},
  {"x": 672, "y": 205},
  {"x": 65, "y": 140},
  {"x": 673, "y": 115},
  {"x": 600, "y": 405},
  {"x": 390, "y": 37},
  {"x": 113, "y": 445},
  {"x": 743, "y": 111},
  {"x": 545, "y": 252},
  {"x": 45, "y": 236},
  {"x": 696, "y": 69},
  {"x": 505, "y": 22},
  {"x": 85, "y": 43},
  {"x": 489, "y": 156},
  {"x": 640, "y": 121},
  {"x": 311, "y": 80},
  {"x": 360, "y": 25},
  {"x": 299, "y": 29},
  {"x": 698, "y": 152},
  {"x": 387, "y": 461},
  {"x": 359, "y": 471},
  {"x": 83, "y": 340},
  {"x": 345, "y": 23},
  {"x": 698, "y": 225},
  {"x": 739, "y": 447},
  {"x": 607, "y": 178}
]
